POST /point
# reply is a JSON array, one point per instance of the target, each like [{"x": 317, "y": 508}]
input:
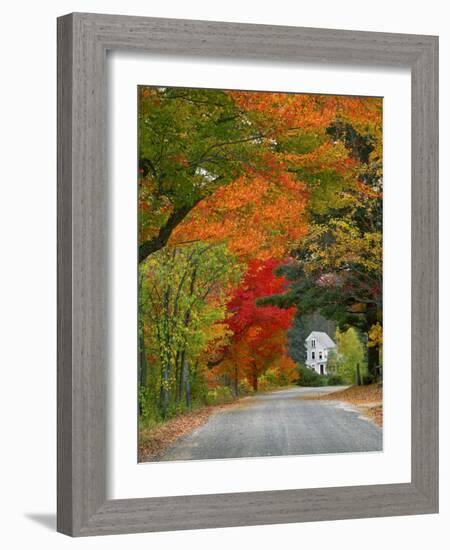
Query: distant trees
[
  {"x": 349, "y": 360},
  {"x": 334, "y": 362}
]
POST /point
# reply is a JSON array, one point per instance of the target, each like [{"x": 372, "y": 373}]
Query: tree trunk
[
  {"x": 164, "y": 392},
  {"x": 160, "y": 240},
  {"x": 358, "y": 375},
  {"x": 372, "y": 317},
  {"x": 142, "y": 362},
  {"x": 236, "y": 382},
  {"x": 179, "y": 361},
  {"x": 187, "y": 384},
  {"x": 255, "y": 380},
  {"x": 372, "y": 361}
]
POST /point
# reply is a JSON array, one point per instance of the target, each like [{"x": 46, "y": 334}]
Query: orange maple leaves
[
  {"x": 283, "y": 111},
  {"x": 308, "y": 112},
  {"x": 256, "y": 217}
]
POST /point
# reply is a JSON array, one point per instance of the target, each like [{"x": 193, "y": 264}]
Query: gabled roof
[{"x": 322, "y": 338}]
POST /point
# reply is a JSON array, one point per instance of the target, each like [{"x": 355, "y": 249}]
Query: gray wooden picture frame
[{"x": 83, "y": 41}]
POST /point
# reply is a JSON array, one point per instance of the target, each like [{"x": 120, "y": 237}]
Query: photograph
[{"x": 260, "y": 288}]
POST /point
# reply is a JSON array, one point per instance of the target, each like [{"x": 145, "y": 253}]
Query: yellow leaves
[
  {"x": 375, "y": 336},
  {"x": 341, "y": 243},
  {"x": 218, "y": 335},
  {"x": 327, "y": 156},
  {"x": 358, "y": 308}
]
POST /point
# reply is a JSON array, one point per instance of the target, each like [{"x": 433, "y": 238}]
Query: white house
[{"x": 318, "y": 345}]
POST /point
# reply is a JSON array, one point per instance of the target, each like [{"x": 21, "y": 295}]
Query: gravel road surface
[{"x": 280, "y": 423}]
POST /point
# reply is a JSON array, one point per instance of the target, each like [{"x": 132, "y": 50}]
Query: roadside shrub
[
  {"x": 264, "y": 383},
  {"x": 199, "y": 390},
  {"x": 272, "y": 377},
  {"x": 220, "y": 394},
  {"x": 245, "y": 388},
  {"x": 309, "y": 377},
  {"x": 175, "y": 409},
  {"x": 149, "y": 412},
  {"x": 334, "y": 380}
]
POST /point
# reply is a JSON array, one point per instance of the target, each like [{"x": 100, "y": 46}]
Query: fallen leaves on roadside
[
  {"x": 152, "y": 441},
  {"x": 375, "y": 412},
  {"x": 368, "y": 400}
]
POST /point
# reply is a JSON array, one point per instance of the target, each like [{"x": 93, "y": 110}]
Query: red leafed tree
[{"x": 258, "y": 340}]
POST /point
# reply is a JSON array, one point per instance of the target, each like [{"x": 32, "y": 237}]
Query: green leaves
[
  {"x": 191, "y": 139},
  {"x": 350, "y": 354},
  {"x": 183, "y": 293}
]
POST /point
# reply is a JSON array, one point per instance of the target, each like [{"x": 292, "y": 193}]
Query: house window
[
  {"x": 313, "y": 355},
  {"x": 320, "y": 355},
  {"x": 313, "y": 343}
]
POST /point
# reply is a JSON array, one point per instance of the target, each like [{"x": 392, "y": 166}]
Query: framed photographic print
[
  {"x": 260, "y": 268},
  {"x": 247, "y": 274}
]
